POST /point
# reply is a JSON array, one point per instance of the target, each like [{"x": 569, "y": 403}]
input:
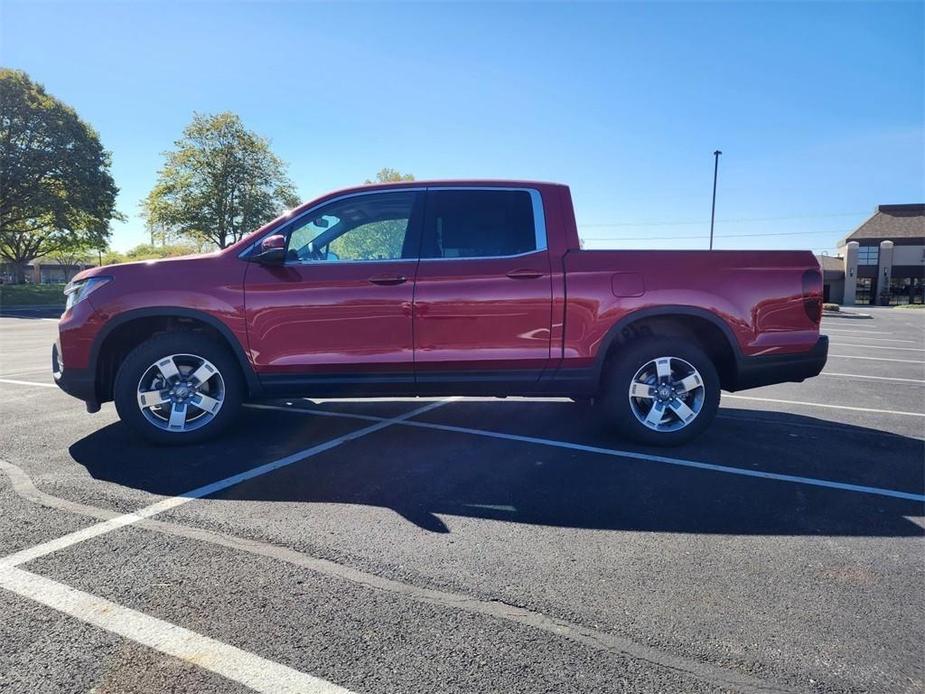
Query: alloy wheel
[
  {"x": 666, "y": 394},
  {"x": 181, "y": 392}
]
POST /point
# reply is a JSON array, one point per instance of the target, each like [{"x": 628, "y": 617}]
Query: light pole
[{"x": 713, "y": 212}]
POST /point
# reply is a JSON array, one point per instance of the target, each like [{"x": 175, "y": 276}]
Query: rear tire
[
  {"x": 178, "y": 388},
  {"x": 676, "y": 390}
]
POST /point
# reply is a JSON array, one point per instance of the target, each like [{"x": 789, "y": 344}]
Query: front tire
[
  {"x": 660, "y": 391},
  {"x": 178, "y": 388}
]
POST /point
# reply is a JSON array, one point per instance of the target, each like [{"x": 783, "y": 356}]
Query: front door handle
[
  {"x": 524, "y": 274},
  {"x": 388, "y": 280}
]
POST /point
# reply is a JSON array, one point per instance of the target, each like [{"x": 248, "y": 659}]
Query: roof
[
  {"x": 831, "y": 263},
  {"x": 893, "y": 222},
  {"x": 247, "y": 239}
]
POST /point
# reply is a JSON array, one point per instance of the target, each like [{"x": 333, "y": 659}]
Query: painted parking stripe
[
  {"x": 597, "y": 640},
  {"x": 873, "y": 378},
  {"x": 898, "y": 361},
  {"x": 862, "y": 332},
  {"x": 872, "y": 339},
  {"x": 616, "y": 453},
  {"x": 890, "y": 347},
  {"x": 104, "y": 527},
  {"x": 27, "y": 383},
  {"x": 23, "y": 372},
  {"x": 233, "y": 663},
  {"x": 823, "y": 405}
]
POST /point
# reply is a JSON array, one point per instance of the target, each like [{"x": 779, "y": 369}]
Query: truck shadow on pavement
[{"x": 424, "y": 473}]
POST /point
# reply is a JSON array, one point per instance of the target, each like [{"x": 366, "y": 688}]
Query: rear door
[
  {"x": 483, "y": 295},
  {"x": 336, "y": 317}
]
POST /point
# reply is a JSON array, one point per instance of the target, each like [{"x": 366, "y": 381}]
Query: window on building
[
  {"x": 906, "y": 290},
  {"x": 868, "y": 255},
  {"x": 864, "y": 289}
]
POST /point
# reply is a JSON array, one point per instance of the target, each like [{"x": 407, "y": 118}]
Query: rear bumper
[
  {"x": 781, "y": 368},
  {"x": 79, "y": 383}
]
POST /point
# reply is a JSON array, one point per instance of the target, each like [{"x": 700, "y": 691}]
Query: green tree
[
  {"x": 221, "y": 182},
  {"x": 148, "y": 251},
  {"x": 56, "y": 191},
  {"x": 388, "y": 175}
]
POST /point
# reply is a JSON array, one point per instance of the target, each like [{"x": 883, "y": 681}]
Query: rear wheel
[
  {"x": 178, "y": 388},
  {"x": 660, "y": 391}
]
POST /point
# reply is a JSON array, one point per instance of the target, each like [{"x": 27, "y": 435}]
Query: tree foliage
[
  {"x": 147, "y": 251},
  {"x": 56, "y": 190},
  {"x": 387, "y": 175},
  {"x": 221, "y": 182}
]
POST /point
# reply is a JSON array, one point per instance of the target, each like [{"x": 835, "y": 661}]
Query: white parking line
[
  {"x": 597, "y": 640},
  {"x": 874, "y": 339},
  {"x": 873, "y": 378},
  {"x": 36, "y": 370},
  {"x": 104, "y": 527},
  {"x": 247, "y": 668},
  {"x": 862, "y": 332},
  {"x": 824, "y": 405},
  {"x": 898, "y": 361},
  {"x": 233, "y": 663},
  {"x": 27, "y": 383},
  {"x": 891, "y": 347},
  {"x": 810, "y": 481}
]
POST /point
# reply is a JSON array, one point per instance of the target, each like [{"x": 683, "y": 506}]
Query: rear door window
[{"x": 478, "y": 224}]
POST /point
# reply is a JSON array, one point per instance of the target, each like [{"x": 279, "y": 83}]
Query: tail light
[{"x": 812, "y": 295}]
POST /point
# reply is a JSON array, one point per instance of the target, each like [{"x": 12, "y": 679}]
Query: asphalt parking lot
[{"x": 471, "y": 545}]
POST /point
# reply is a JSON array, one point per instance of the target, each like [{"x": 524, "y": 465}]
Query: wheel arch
[
  {"x": 127, "y": 330},
  {"x": 708, "y": 330}
]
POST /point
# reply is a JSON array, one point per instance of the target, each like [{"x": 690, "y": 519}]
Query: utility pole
[{"x": 713, "y": 212}]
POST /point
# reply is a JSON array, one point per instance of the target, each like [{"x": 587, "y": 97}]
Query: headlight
[{"x": 81, "y": 289}]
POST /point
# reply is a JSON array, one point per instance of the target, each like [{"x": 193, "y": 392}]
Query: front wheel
[
  {"x": 660, "y": 391},
  {"x": 178, "y": 388}
]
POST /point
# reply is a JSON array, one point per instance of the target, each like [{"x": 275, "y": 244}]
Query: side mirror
[{"x": 272, "y": 250}]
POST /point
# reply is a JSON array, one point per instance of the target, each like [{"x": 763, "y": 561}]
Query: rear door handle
[
  {"x": 388, "y": 280},
  {"x": 524, "y": 274}
]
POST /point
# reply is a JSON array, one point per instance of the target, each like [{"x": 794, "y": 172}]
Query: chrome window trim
[
  {"x": 536, "y": 199},
  {"x": 482, "y": 257},
  {"x": 330, "y": 263}
]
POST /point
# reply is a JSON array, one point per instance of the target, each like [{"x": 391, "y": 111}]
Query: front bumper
[
  {"x": 754, "y": 372},
  {"x": 79, "y": 383}
]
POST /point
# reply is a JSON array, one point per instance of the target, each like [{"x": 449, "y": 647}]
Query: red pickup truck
[{"x": 439, "y": 288}]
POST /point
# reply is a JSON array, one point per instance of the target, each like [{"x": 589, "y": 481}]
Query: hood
[{"x": 136, "y": 266}]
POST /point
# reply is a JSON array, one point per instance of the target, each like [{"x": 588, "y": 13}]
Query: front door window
[{"x": 361, "y": 228}]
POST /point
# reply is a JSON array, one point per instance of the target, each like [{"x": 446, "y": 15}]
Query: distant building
[
  {"x": 44, "y": 271},
  {"x": 882, "y": 262}
]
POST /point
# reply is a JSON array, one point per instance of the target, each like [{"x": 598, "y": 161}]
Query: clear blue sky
[{"x": 817, "y": 107}]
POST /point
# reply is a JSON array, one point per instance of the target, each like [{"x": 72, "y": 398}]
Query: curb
[{"x": 842, "y": 314}]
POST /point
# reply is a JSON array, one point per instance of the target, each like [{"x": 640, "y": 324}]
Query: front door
[
  {"x": 335, "y": 318},
  {"x": 483, "y": 293}
]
